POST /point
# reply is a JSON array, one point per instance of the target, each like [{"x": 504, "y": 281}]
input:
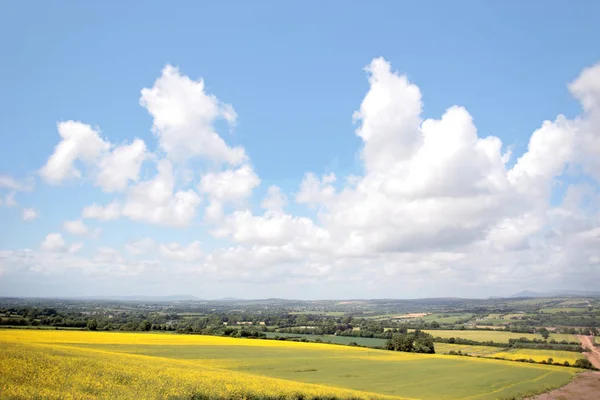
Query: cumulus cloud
[
  {"x": 431, "y": 187},
  {"x": 79, "y": 142},
  {"x": 232, "y": 186},
  {"x": 10, "y": 183},
  {"x": 55, "y": 243},
  {"x": 103, "y": 213},
  {"x": 139, "y": 247},
  {"x": 275, "y": 200},
  {"x": 184, "y": 117},
  {"x": 436, "y": 201},
  {"x": 157, "y": 201},
  {"x": 9, "y": 200},
  {"x": 177, "y": 252},
  {"x": 76, "y": 227},
  {"x": 121, "y": 165},
  {"x": 112, "y": 167},
  {"x": 29, "y": 214}
]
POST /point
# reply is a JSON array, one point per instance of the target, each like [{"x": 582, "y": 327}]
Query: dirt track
[
  {"x": 594, "y": 354},
  {"x": 585, "y": 386}
]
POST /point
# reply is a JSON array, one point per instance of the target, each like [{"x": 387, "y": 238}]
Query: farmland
[
  {"x": 483, "y": 336},
  {"x": 132, "y": 365},
  {"x": 510, "y": 354}
]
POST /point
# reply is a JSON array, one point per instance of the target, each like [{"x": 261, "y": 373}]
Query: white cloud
[
  {"x": 9, "y": 200},
  {"x": 436, "y": 202},
  {"x": 76, "y": 227},
  {"x": 8, "y": 182},
  {"x": 275, "y": 200},
  {"x": 107, "y": 255},
  {"x": 75, "y": 247},
  {"x": 314, "y": 191},
  {"x": 29, "y": 214},
  {"x": 54, "y": 242},
  {"x": 230, "y": 185},
  {"x": 103, "y": 213},
  {"x": 390, "y": 115},
  {"x": 184, "y": 116},
  {"x": 139, "y": 247},
  {"x": 156, "y": 200},
  {"x": 121, "y": 165},
  {"x": 177, "y": 252},
  {"x": 79, "y": 142}
]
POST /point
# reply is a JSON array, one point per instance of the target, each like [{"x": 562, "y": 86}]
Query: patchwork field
[
  {"x": 510, "y": 354},
  {"x": 496, "y": 336},
  {"x": 49, "y": 364}
]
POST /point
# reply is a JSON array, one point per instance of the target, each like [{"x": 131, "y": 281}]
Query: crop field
[
  {"x": 52, "y": 364},
  {"x": 369, "y": 342},
  {"x": 496, "y": 336},
  {"x": 564, "y": 336},
  {"x": 510, "y": 354},
  {"x": 554, "y": 310},
  {"x": 447, "y": 318},
  {"x": 482, "y": 336}
]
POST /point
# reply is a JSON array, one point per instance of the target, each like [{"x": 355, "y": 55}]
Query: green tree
[{"x": 92, "y": 324}]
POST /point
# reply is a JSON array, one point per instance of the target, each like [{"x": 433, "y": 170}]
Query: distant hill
[
  {"x": 530, "y": 293},
  {"x": 141, "y": 298}
]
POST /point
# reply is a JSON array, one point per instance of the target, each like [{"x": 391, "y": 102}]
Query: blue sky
[{"x": 294, "y": 74}]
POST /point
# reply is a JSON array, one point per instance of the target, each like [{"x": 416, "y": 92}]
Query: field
[
  {"x": 50, "y": 364},
  {"x": 496, "y": 336},
  {"x": 369, "y": 342},
  {"x": 564, "y": 336},
  {"x": 511, "y": 354},
  {"x": 553, "y": 310},
  {"x": 447, "y": 318}
]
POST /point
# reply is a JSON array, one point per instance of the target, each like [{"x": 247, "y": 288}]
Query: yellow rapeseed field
[
  {"x": 45, "y": 364},
  {"x": 37, "y": 364}
]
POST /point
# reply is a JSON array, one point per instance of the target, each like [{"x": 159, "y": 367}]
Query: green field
[
  {"x": 326, "y": 313},
  {"x": 510, "y": 354},
  {"x": 373, "y": 372},
  {"x": 446, "y": 318},
  {"x": 554, "y": 310},
  {"x": 564, "y": 336},
  {"x": 496, "y": 336},
  {"x": 369, "y": 342}
]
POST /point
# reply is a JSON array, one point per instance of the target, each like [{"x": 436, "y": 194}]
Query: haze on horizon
[{"x": 271, "y": 151}]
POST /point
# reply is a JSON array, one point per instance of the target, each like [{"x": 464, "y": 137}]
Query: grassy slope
[
  {"x": 511, "y": 354},
  {"x": 332, "y": 367}
]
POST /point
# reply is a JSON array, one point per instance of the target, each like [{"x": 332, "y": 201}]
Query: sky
[{"x": 308, "y": 150}]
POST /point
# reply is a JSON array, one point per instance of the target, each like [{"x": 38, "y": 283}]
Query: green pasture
[
  {"x": 510, "y": 354},
  {"x": 446, "y": 318},
  {"x": 369, "y": 342},
  {"x": 496, "y": 336},
  {"x": 408, "y": 375},
  {"x": 555, "y": 310}
]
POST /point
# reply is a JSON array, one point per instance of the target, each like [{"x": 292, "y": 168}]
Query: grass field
[
  {"x": 554, "y": 310},
  {"x": 510, "y": 354},
  {"x": 446, "y": 318},
  {"x": 370, "y": 342},
  {"x": 496, "y": 336},
  {"x": 52, "y": 364},
  {"x": 564, "y": 336}
]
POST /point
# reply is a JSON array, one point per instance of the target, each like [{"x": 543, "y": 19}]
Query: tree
[
  {"x": 583, "y": 363},
  {"x": 544, "y": 332},
  {"x": 145, "y": 325},
  {"x": 92, "y": 324}
]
